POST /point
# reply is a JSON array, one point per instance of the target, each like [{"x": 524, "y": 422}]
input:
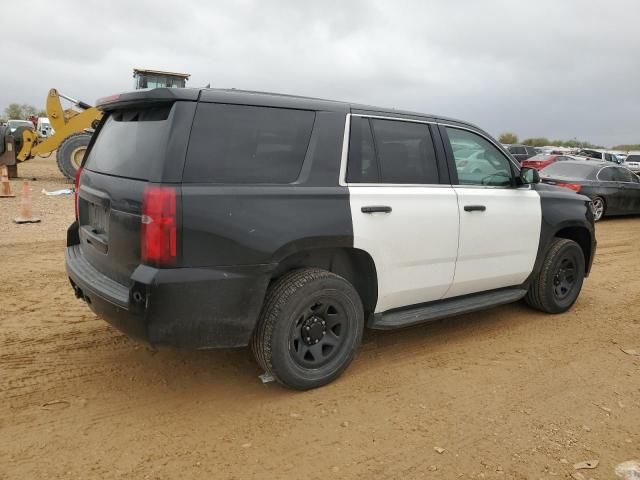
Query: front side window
[
  {"x": 391, "y": 151},
  {"x": 478, "y": 161}
]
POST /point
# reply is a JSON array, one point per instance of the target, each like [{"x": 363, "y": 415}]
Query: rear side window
[
  {"x": 391, "y": 151},
  {"x": 362, "y": 166},
  {"x": 569, "y": 171},
  {"x": 131, "y": 143},
  {"x": 240, "y": 144}
]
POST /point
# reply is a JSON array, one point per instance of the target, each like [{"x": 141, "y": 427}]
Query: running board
[{"x": 444, "y": 308}]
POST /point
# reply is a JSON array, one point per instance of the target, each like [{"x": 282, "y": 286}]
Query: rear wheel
[
  {"x": 598, "y": 208},
  {"x": 71, "y": 153},
  {"x": 557, "y": 286},
  {"x": 309, "y": 329}
]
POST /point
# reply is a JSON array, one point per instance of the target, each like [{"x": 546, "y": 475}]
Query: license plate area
[{"x": 98, "y": 219}]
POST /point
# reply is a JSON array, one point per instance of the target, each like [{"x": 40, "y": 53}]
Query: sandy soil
[{"x": 507, "y": 393}]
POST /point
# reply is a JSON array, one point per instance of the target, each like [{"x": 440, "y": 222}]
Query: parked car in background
[
  {"x": 613, "y": 190},
  {"x": 590, "y": 154},
  {"x": 44, "y": 128},
  {"x": 632, "y": 162},
  {"x": 15, "y": 124},
  {"x": 521, "y": 152},
  {"x": 543, "y": 160}
]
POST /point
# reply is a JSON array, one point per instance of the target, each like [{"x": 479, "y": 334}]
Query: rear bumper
[{"x": 183, "y": 307}]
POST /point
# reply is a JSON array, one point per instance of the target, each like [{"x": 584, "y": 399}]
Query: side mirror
[{"x": 529, "y": 176}]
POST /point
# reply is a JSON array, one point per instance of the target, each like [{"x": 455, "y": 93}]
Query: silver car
[{"x": 632, "y": 162}]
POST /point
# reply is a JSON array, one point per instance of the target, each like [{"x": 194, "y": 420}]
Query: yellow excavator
[{"x": 73, "y": 128}]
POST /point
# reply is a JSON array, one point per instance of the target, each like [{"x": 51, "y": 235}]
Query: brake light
[
  {"x": 571, "y": 186},
  {"x": 75, "y": 190},
  {"x": 158, "y": 233}
]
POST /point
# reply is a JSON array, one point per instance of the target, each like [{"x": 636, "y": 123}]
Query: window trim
[
  {"x": 342, "y": 181},
  {"x": 614, "y": 181},
  {"x": 345, "y": 153}
]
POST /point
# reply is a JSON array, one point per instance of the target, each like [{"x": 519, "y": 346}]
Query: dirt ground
[{"x": 507, "y": 393}]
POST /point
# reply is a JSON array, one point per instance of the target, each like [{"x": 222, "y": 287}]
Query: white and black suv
[{"x": 221, "y": 218}]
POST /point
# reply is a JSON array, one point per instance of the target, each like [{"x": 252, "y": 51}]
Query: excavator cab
[{"x": 158, "y": 79}]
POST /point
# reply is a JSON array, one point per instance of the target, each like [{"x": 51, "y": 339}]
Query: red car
[{"x": 543, "y": 160}]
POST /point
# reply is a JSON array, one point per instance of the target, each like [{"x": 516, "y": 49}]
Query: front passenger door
[{"x": 499, "y": 222}]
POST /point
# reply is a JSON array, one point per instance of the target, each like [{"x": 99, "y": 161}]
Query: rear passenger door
[
  {"x": 630, "y": 189},
  {"x": 499, "y": 222},
  {"x": 402, "y": 213},
  {"x": 614, "y": 193}
]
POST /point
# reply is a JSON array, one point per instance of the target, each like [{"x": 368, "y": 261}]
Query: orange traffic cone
[
  {"x": 25, "y": 206},
  {"x": 5, "y": 188}
]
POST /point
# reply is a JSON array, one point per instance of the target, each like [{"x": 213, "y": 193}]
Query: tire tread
[
  {"x": 537, "y": 296},
  {"x": 278, "y": 295}
]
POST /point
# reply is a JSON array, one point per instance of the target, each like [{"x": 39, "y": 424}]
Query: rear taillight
[
  {"x": 159, "y": 224},
  {"x": 571, "y": 186},
  {"x": 77, "y": 186}
]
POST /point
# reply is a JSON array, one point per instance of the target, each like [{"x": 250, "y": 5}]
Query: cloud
[{"x": 546, "y": 68}]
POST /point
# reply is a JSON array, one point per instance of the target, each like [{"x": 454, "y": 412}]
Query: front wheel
[
  {"x": 309, "y": 329},
  {"x": 557, "y": 286}
]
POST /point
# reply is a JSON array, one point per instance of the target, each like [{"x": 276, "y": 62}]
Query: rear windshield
[
  {"x": 131, "y": 143},
  {"x": 517, "y": 150},
  {"x": 541, "y": 157},
  {"x": 566, "y": 170},
  {"x": 240, "y": 144},
  {"x": 633, "y": 158}
]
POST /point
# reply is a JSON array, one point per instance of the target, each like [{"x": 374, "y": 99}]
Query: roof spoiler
[{"x": 141, "y": 97}]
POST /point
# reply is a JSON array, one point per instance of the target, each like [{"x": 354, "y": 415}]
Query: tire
[
  {"x": 557, "y": 286},
  {"x": 309, "y": 328},
  {"x": 71, "y": 152},
  {"x": 599, "y": 208},
  {"x": 17, "y": 138}
]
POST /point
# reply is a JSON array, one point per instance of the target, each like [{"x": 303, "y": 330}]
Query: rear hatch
[{"x": 139, "y": 143}]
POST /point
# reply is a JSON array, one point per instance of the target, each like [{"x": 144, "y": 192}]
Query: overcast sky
[{"x": 555, "y": 68}]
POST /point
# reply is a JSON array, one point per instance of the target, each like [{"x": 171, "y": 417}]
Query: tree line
[
  {"x": 510, "y": 138},
  {"x": 16, "y": 111}
]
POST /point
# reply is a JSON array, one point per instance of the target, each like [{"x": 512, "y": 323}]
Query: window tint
[
  {"x": 517, "y": 150},
  {"x": 606, "y": 175},
  {"x": 478, "y": 162},
  {"x": 622, "y": 175},
  {"x": 405, "y": 152},
  {"x": 132, "y": 143},
  {"x": 361, "y": 166},
  {"x": 244, "y": 144}
]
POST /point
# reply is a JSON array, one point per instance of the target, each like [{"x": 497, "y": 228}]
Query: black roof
[{"x": 257, "y": 98}]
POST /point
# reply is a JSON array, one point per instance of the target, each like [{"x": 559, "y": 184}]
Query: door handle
[
  {"x": 474, "y": 208},
  {"x": 376, "y": 209}
]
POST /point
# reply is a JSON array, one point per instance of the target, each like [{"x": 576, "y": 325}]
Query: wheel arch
[
  {"x": 582, "y": 237},
  {"x": 353, "y": 264}
]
